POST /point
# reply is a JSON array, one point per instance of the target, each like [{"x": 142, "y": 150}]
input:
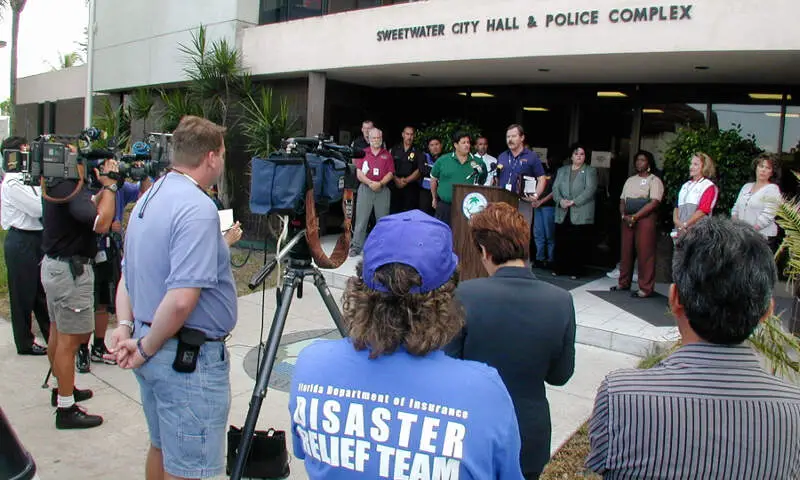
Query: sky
[{"x": 46, "y": 27}]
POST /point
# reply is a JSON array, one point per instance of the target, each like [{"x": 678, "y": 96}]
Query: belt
[
  {"x": 220, "y": 339},
  {"x": 78, "y": 258},
  {"x": 27, "y": 232}
]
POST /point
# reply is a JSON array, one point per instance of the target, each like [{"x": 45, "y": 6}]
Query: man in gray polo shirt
[{"x": 178, "y": 297}]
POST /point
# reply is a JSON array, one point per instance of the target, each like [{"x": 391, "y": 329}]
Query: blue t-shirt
[
  {"x": 128, "y": 193},
  {"x": 400, "y": 416},
  {"x": 527, "y": 163},
  {"x": 177, "y": 244}
]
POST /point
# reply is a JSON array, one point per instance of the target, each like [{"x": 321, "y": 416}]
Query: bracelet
[
  {"x": 126, "y": 323},
  {"x": 141, "y": 350}
]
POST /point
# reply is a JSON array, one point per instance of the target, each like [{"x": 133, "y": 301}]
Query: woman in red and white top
[{"x": 698, "y": 196}]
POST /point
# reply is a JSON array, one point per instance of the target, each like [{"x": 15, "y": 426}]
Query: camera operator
[
  {"x": 21, "y": 207},
  {"x": 70, "y": 247},
  {"x": 107, "y": 268}
]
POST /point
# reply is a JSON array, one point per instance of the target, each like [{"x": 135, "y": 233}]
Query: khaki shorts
[{"x": 70, "y": 301}]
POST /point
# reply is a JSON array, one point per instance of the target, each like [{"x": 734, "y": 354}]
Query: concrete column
[{"x": 315, "y": 111}]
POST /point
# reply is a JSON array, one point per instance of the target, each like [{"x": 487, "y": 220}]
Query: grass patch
[
  {"x": 567, "y": 463},
  {"x": 253, "y": 261}
]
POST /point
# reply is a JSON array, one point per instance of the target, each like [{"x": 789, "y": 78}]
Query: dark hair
[
  {"x": 502, "y": 231},
  {"x": 435, "y": 137},
  {"x": 382, "y": 322},
  {"x": 459, "y": 134},
  {"x": 574, "y": 148},
  {"x": 518, "y": 127},
  {"x": 194, "y": 138},
  {"x": 413, "y": 128},
  {"x": 774, "y": 162},
  {"x": 13, "y": 143},
  {"x": 651, "y": 161},
  {"x": 724, "y": 273}
]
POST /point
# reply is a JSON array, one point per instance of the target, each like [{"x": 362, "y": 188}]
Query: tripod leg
[
  {"x": 47, "y": 378},
  {"x": 291, "y": 281},
  {"x": 330, "y": 303}
]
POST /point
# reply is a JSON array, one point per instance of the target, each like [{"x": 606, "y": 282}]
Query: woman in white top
[
  {"x": 697, "y": 197},
  {"x": 757, "y": 201}
]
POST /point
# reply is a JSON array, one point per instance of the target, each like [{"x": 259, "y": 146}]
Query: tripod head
[{"x": 297, "y": 250}]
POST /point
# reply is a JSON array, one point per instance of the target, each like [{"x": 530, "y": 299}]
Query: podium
[{"x": 468, "y": 200}]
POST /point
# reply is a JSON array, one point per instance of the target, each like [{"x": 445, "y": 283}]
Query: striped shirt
[{"x": 707, "y": 412}]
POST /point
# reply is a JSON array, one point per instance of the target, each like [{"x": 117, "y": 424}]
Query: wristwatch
[
  {"x": 126, "y": 323},
  {"x": 113, "y": 187}
]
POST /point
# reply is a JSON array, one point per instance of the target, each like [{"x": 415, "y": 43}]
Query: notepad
[{"x": 225, "y": 219}]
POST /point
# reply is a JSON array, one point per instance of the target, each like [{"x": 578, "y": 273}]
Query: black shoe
[
  {"x": 97, "y": 355},
  {"x": 82, "y": 360},
  {"x": 80, "y": 395},
  {"x": 76, "y": 417},
  {"x": 36, "y": 350}
]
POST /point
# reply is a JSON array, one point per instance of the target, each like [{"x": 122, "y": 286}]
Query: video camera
[
  {"x": 279, "y": 182},
  {"x": 52, "y": 158},
  {"x": 299, "y": 180}
]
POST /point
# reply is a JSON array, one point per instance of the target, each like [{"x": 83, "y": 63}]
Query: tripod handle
[{"x": 262, "y": 274}]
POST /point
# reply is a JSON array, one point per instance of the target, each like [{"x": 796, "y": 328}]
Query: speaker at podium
[{"x": 468, "y": 200}]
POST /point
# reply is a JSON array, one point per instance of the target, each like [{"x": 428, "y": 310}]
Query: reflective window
[
  {"x": 762, "y": 122},
  {"x": 660, "y": 124},
  {"x": 791, "y": 130}
]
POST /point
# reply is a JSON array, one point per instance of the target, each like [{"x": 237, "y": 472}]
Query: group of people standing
[{"x": 642, "y": 193}]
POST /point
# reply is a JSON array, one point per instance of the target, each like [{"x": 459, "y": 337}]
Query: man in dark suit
[{"x": 523, "y": 327}]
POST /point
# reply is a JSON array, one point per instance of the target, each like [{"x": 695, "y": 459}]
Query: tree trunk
[{"x": 16, "y": 10}]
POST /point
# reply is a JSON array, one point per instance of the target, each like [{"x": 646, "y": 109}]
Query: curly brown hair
[
  {"x": 502, "y": 231},
  {"x": 382, "y": 322}
]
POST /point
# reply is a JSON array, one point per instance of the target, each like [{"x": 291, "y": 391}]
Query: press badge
[
  {"x": 376, "y": 171},
  {"x": 643, "y": 182},
  {"x": 365, "y": 167},
  {"x": 100, "y": 257},
  {"x": 508, "y": 187}
]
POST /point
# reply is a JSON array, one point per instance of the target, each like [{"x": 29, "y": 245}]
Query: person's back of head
[
  {"x": 403, "y": 291},
  {"x": 11, "y": 160},
  {"x": 724, "y": 274},
  {"x": 500, "y": 233}
]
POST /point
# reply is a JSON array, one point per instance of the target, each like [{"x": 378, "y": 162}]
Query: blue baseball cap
[{"x": 412, "y": 238}]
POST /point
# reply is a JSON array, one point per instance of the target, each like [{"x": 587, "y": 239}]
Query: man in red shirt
[{"x": 375, "y": 171}]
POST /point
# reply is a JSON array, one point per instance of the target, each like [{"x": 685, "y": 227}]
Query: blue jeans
[
  {"x": 544, "y": 228},
  {"x": 187, "y": 413}
]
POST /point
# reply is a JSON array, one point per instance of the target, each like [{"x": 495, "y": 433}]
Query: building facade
[{"x": 615, "y": 75}]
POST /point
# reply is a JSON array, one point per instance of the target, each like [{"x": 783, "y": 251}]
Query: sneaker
[
  {"x": 635, "y": 278},
  {"x": 354, "y": 252},
  {"x": 82, "y": 359},
  {"x": 613, "y": 273},
  {"x": 97, "y": 355},
  {"x": 80, "y": 395},
  {"x": 76, "y": 417}
]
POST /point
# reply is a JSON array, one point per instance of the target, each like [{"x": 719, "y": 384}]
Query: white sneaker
[
  {"x": 613, "y": 273},
  {"x": 635, "y": 278}
]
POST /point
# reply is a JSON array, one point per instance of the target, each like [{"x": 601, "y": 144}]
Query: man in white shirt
[
  {"x": 482, "y": 149},
  {"x": 21, "y": 216}
]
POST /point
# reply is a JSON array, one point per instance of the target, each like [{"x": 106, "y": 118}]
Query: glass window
[
  {"x": 272, "y": 11},
  {"x": 791, "y": 129},
  {"x": 305, "y": 8},
  {"x": 759, "y": 121},
  {"x": 336, "y": 6},
  {"x": 660, "y": 123}
]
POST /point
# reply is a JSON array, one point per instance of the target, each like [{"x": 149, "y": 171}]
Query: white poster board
[
  {"x": 225, "y": 220},
  {"x": 601, "y": 159},
  {"x": 541, "y": 151}
]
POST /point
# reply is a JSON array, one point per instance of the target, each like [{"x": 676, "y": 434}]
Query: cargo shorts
[{"x": 70, "y": 301}]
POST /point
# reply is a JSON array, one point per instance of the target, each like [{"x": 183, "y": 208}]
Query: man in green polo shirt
[{"x": 452, "y": 168}]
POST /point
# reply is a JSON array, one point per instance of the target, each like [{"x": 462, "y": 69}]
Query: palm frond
[{"x": 779, "y": 348}]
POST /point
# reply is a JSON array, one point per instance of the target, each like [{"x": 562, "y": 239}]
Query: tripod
[{"x": 300, "y": 266}]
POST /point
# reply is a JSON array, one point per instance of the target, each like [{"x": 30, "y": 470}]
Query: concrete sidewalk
[{"x": 117, "y": 448}]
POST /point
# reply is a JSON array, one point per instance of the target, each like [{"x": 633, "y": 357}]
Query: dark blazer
[{"x": 525, "y": 328}]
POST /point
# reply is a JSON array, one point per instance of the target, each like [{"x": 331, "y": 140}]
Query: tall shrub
[{"x": 444, "y": 130}]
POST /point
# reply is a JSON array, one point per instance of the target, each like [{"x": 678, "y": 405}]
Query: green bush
[
  {"x": 732, "y": 153},
  {"x": 444, "y": 129}
]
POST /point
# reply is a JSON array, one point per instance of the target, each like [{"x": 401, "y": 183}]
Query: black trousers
[
  {"x": 573, "y": 247},
  {"x": 443, "y": 211},
  {"x": 404, "y": 199},
  {"x": 23, "y": 252},
  {"x": 425, "y": 201}
]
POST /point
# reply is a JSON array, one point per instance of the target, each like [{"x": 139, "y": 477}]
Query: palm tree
[
  {"x": 17, "y": 6},
  {"x": 67, "y": 60}
]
